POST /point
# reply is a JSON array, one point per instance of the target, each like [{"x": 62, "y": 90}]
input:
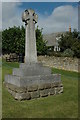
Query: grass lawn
[
  {"x": 0, "y": 88},
  {"x": 60, "y": 106}
]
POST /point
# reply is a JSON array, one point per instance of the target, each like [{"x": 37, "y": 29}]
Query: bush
[
  {"x": 53, "y": 53},
  {"x": 70, "y": 41},
  {"x": 68, "y": 53}
]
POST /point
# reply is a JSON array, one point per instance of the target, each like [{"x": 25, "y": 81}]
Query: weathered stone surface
[
  {"x": 51, "y": 91},
  {"x": 28, "y": 96},
  {"x": 15, "y": 88},
  {"x": 12, "y": 92},
  {"x": 58, "y": 90},
  {"x": 31, "y": 71},
  {"x": 41, "y": 86},
  {"x": 30, "y": 18},
  {"x": 34, "y": 83},
  {"x": 52, "y": 85},
  {"x": 35, "y": 94},
  {"x": 22, "y": 96},
  {"x": 64, "y": 63},
  {"x": 10, "y": 86},
  {"x": 15, "y": 80},
  {"x": 30, "y": 65},
  {"x": 60, "y": 85},
  {"x": 21, "y": 89},
  {"x": 47, "y": 85},
  {"x": 44, "y": 93},
  {"x": 31, "y": 80},
  {"x": 56, "y": 84},
  {"x": 32, "y": 88}
]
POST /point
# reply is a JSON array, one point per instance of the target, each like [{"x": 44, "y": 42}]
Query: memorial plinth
[{"x": 32, "y": 79}]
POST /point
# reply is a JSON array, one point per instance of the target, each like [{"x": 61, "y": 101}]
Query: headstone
[{"x": 32, "y": 79}]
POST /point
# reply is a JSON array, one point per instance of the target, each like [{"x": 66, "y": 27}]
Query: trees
[
  {"x": 13, "y": 41},
  {"x": 66, "y": 41},
  {"x": 41, "y": 45},
  {"x": 76, "y": 48},
  {"x": 0, "y": 42},
  {"x": 70, "y": 41}
]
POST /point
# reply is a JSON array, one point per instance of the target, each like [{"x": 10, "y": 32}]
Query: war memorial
[{"x": 32, "y": 80}]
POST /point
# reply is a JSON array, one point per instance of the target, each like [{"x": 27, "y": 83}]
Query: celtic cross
[{"x": 30, "y": 19}]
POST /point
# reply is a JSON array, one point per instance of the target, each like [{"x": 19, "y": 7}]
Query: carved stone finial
[{"x": 29, "y": 14}]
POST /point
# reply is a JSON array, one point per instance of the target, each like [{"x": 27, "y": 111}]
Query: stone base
[
  {"x": 33, "y": 81},
  {"x": 27, "y": 93}
]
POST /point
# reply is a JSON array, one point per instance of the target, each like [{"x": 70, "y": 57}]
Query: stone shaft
[
  {"x": 30, "y": 45},
  {"x": 30, "y": 18}
]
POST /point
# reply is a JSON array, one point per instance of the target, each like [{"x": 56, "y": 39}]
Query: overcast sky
[{"x": 52, "y": 16}]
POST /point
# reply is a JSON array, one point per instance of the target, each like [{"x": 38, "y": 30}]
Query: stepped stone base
[{"x": 33, "y": 80}]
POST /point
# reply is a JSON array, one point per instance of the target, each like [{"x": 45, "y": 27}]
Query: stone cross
[{"x": 30, "y": 19}]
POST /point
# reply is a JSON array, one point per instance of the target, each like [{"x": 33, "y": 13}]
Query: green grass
[
  {"x": 60, "y": 106},
  {"x": 0, "y": 88},
  {"x": 7, "y": 67}
]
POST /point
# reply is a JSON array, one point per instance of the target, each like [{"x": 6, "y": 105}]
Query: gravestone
[{"x": 32, "y": 79}]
